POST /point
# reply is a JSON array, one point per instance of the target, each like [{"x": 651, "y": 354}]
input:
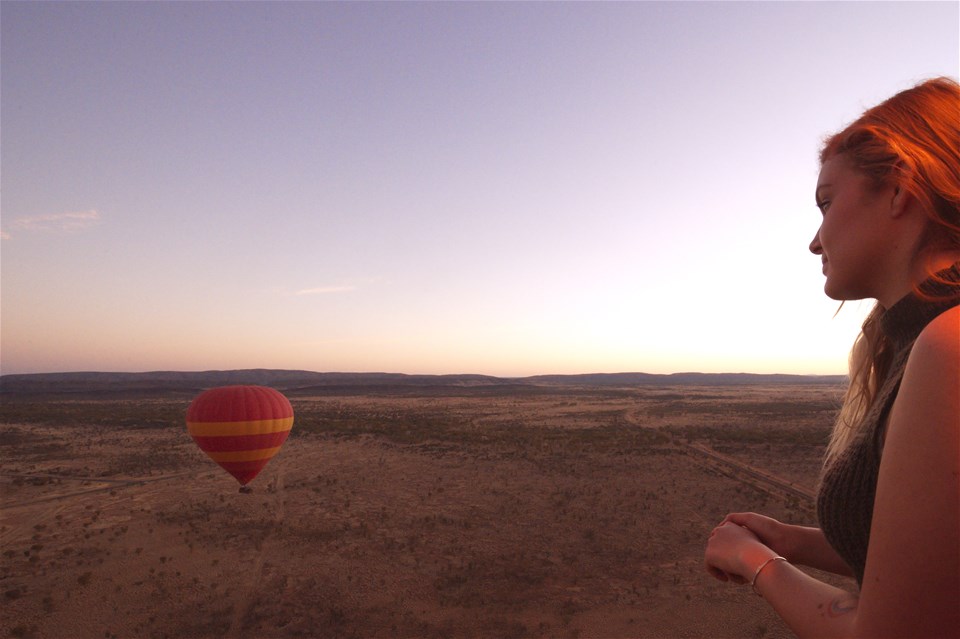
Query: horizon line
[{"x": 375, "y": 372}]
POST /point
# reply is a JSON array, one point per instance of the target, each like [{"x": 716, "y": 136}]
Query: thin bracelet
[{"x": 753, "y": 582}]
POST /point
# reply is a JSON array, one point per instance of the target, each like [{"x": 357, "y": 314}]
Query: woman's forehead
[{"x": 833, "y": 169}]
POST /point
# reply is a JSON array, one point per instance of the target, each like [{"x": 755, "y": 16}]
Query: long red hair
[{"x": 913, "y": 140}]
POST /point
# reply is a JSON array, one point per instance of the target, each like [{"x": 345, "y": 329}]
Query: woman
[{"x": 889, "y": 498}]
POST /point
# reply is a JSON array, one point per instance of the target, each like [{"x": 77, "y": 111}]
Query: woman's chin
[
  {"x": 844, "y": 293},
  {"x": 835, "y": 291},
  {"x": 830, "y": 290}
]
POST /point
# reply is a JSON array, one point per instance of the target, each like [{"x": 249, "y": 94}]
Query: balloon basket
[{"x": 246, "y": 490}]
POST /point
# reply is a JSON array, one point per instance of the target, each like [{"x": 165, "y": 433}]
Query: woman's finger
[{"x": 741, "y": 519}]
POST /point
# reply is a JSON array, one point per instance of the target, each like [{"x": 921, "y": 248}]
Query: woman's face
[{"x": 854, "y": 233}]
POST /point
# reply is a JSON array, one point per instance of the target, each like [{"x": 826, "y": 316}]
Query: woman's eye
[{"x": 822, "y": 205}]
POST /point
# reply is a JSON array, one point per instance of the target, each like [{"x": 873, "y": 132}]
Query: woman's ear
[
  {"x": 901, "y": 199},
  {"x": 899, "y": 202}
]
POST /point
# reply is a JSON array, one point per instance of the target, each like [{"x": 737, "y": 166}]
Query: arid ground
[{"x": 573, "y": 513}]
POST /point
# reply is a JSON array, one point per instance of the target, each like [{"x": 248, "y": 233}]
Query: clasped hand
[{"x": 734, "y": 550}]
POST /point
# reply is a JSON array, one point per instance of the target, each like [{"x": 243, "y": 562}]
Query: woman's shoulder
[
  {"x": 939, "y": 341},
  {"x": 931, "y": 379}
]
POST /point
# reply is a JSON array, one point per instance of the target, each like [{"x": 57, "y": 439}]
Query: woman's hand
[
  {"x": 779, "y": 537},
  {"x": 734, "y": 553}
]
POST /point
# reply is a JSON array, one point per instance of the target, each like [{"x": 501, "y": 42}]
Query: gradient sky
[{"x": 499, "y": 188}]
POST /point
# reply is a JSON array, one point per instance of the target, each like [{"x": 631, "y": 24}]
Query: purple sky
[{"x": 502, "y": 188}]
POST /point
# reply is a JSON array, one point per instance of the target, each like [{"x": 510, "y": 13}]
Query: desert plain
[{"x": 553, "y": 512}]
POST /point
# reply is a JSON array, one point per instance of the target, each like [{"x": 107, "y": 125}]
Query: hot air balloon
[{"x": 240, "y": 427}]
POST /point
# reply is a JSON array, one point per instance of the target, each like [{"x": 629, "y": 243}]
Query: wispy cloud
[
  {"x": 323, "y": 290},
  {"x": 69, "y": 222}
]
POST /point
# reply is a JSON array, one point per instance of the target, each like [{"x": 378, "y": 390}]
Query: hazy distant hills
[
  {"x": 307, "y": 382},
  {"x": 682, "y": 379}
]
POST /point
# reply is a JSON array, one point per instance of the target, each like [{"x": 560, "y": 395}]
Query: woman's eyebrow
[{"x": 816, "y": 193}]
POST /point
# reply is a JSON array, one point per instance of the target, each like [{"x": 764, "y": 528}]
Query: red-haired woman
[{"x": 889, "y": 496}]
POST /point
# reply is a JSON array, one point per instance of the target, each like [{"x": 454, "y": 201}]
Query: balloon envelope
[{"x": 240, "y": 427}]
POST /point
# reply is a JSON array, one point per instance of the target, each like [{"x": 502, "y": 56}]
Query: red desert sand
[{"x": 580, "y": 513}]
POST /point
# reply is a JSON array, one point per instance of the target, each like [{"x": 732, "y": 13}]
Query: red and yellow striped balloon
[{"x": 240, "y": 427}]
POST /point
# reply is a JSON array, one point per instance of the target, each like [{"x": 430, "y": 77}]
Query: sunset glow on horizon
[{"x": 496, "y": 188}]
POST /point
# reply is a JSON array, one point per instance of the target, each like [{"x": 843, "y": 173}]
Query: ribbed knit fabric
[{"x": 848, "y": 486}]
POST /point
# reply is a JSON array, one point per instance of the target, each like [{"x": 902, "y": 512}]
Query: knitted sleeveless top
[{"x": 848, "y": 485}]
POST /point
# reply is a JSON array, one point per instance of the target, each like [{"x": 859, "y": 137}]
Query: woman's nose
[{"x": 815, "y": 247}]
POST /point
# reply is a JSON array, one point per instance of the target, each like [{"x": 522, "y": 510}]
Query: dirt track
[{"x": 749, "y": 474}]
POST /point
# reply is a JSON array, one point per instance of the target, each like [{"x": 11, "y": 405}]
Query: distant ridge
[
  {"x": 307, "y": 382},
  {"x": 684, "y": 379}
]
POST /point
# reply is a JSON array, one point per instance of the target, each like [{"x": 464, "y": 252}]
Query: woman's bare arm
[
  {"x": 810, "y": 607},
  {"x": 803, "y": 545},
  {"x": 815, "y": 551}
]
